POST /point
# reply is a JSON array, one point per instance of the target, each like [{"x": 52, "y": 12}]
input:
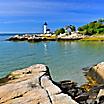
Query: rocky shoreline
[
  {"x": 34, "y": 85},
  {"x": 43, "y": 37},
  {"x": 50, "y": 37}
]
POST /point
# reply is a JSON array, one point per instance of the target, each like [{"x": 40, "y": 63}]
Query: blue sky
[{"x": 29, "y": 15}]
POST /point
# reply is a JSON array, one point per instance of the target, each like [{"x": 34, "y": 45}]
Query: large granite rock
[
  {"x": 32, "y": 85},
  {"x": 100, "y": 97},
  {"x": 95, "y": 84},
  {"x": 95, "y": 73}
]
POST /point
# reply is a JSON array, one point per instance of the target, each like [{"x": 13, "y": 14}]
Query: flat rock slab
[{"x": 32, "y": 85}]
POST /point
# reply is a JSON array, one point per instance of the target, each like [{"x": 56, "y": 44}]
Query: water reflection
[
  {"x": 66, "y": 44},
  {"x": 45, "y": 48}
]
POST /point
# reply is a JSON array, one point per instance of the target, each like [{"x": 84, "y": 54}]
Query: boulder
[
  {"x": 32, "y": 85},
  {"x": 100, "y": 97},
  {"x": 71, "y": 88},
  {"x": 95, "y": 84},
  {"x": 101, "y": 93},
  {"x": 95, "y": 73}
]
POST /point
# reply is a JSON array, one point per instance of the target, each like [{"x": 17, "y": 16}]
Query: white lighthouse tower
[{"x": 45, "y": 28}]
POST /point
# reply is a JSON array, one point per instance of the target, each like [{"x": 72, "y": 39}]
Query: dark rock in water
[
  {"x": 94, "y": 94},
  {"x": 101, "y": 100},
  {"x": 75, "y": 92},
  {"x": 82, "y": 98},
  {"x": 68, "y": 87},
  {"x": 18, "y": 38},
  {"x": 67, "y": 84},
  {"x": 96, "y": 89}
]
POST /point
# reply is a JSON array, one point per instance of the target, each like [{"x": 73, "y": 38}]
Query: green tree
[
  {"x": 73, "y": 28},
  {"x": 58, "y": 31},
  {"x": 95, "y": 27}
]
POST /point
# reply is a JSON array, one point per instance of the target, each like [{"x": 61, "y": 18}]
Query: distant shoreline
[{"x": 49, "y": 37}]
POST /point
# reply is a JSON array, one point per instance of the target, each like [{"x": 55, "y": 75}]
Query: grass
[
  {"x": 94, "y": 38},
  {"x": 50, "y": 37}
]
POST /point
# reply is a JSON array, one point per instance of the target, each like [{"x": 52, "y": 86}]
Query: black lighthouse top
[{"x": 45, "y": 23}]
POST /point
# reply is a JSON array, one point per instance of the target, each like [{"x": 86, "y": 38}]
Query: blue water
[{"x": 65, "y": 59}]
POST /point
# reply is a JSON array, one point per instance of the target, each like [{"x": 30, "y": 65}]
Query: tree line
[
  {"x": 67, "y": 29},
  {"x": 95, "y": 27}
]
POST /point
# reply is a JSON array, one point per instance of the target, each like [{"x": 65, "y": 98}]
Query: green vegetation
[
  {"x": 93, "y": 38},
  {"x": 58, "y": 31},
  {"x": 93, "y": 28},
  {"x": 70, "y": 28},
  {"x": 73, "y": 28}
]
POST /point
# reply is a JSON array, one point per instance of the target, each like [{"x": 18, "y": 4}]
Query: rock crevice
[{"x": 32, "y": 85}]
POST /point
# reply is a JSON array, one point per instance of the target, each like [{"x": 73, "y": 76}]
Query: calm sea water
[{"x": 65, "y": 59}]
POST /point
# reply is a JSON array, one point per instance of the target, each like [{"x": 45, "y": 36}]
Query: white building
[
  {"x": 48, "y": 31},
  {"x": 45, "y": 29}
]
